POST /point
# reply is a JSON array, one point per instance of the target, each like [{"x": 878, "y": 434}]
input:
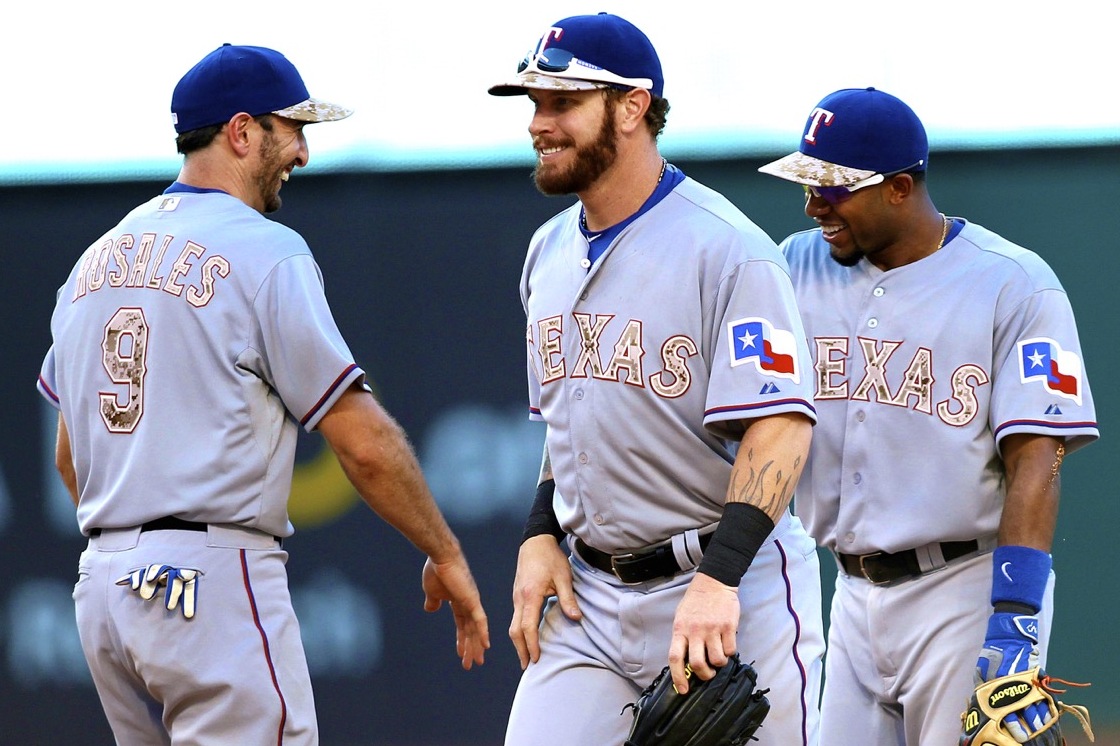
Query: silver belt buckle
[
  {"x": 864, "y": 572},
  {"x": 615, "y": 558}
]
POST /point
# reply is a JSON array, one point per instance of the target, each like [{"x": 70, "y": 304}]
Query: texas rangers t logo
[
  {"x": 1059, "y": 370},
  {"x": 816, "y": 119},
  {"x": 772, "y": 351}
]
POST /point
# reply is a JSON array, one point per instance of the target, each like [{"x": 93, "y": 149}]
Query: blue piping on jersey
[
  {"x": 47, "y": 390},
  {"x": 329, "y": 392},
  {"x": 762, "y": 405},
  {"x": 1045, "y": 425}
]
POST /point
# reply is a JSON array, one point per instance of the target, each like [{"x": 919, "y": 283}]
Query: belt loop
[
  {"x": 930, "y": 557},
  {"x": 686, "y": 549}
]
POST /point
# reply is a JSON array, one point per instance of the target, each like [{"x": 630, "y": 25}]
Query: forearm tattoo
[{"x": 766, "y": 486}]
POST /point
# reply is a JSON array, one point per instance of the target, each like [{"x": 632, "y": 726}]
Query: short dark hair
[{"x": 189, "y": 142}]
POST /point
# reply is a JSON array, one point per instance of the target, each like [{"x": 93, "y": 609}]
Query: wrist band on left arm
[
  {"x": 739, "y": 536},
  {"x": 1019, "y": 575}
]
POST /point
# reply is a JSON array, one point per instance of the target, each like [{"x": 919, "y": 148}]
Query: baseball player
[
  {"x": 949, "y": 383},
  {"x": 189, "y": 344},
  {"x": 667, "y": 359}
]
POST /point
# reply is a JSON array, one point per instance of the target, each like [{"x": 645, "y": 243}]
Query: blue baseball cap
[
  {"x": 853, "y": 134},
  {"x": 582, "y": 53},
  {"x": 255, "y": 80}
]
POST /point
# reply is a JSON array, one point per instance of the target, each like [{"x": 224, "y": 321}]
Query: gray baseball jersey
[
  {"x": 693, "y": 330},
  {"x": 644, "y": 365},
  {"x": 189, "y": 341},
  {"x": 918, "y": 373}
]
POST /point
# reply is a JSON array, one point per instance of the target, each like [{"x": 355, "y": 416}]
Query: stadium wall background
[{"x": 421, "y": 269}]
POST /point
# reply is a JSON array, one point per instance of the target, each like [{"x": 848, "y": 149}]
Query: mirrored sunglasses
[
  {"x": 555, "y": 61},
  {"x": 835, "y": 195}
]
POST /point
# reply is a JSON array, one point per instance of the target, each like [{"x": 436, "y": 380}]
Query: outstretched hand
[{"x": 452, "y": 582}]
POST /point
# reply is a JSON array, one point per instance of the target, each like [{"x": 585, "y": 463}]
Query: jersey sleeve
[
  {"x": 531, "y": 370},
  {"x": 760, "y": 362},
  {"x": 46, "y": 384},
  {"x": 304, "y": 356},
  {"x": 1040, "y": 384}
]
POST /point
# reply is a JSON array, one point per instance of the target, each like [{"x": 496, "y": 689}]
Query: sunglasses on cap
[
  {"x": 835, "y": 195},
  {"x": 563, "y": 64}
]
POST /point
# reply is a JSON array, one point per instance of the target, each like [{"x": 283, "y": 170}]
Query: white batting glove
[{"x": 181, "y": 584}]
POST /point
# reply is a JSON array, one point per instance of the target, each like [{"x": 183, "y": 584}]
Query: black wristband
[
  {"x": 737, "y": 539},
  {"x": 542, "y": 516}
]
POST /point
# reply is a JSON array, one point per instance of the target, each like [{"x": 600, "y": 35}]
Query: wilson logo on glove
[
  {"x": 996, "y": 714},
  {"x": 1015, "y": 690}
]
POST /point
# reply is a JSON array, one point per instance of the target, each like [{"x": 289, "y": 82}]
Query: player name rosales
[{"x": 144, "y": 262}]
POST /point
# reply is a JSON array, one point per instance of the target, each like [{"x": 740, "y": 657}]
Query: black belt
[
  {"x": 636, "y": 567},
  {"x": 881, "y": 568},
  {"x": 167, "y": 523}
]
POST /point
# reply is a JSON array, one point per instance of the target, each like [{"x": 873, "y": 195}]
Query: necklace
[
  {"x": 660, "y": 176},
  {"x": 944, "y": 232}
]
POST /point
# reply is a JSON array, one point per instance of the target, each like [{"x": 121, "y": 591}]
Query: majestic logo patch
[
  {"x": 772, "y": 351},
  {"x": 1059, "y": 370}
]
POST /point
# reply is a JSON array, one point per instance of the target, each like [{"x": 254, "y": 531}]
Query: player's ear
[
  {"x": 238, "y": 133},
  {"x": 900, "y": 187},
  {"x": 633, "y": 108}
]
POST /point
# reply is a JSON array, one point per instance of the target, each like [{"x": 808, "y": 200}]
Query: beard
[
  {"x": 268, "y": 177},
  {"x": 849, "y": 259},
  {"x": 592, "y": 161}
]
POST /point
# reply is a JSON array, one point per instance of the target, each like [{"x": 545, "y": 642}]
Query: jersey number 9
[{"x": 124, "y": 346}]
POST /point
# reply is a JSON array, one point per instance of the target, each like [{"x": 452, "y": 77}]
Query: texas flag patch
[
  {"x": 1059, "y": 370},
  {"x": 772, "y": 351}
]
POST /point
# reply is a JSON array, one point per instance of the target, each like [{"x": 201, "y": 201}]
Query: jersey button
[
  {"x": 585, "y": 263},
  {"x": 578, "y": 394},
  {"x": 860, "y": 416},
  {"x": 878, "y": 292},
  {"x": 599, "y": 520},
  {"x": 583, "y": 459},
  {"x": 873, "y": 323},
  {"x": 849, "y": 538},
  {"x": 857, "y": 478}
]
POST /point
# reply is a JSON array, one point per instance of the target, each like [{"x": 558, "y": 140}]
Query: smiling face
[
  {"x": 575, "y": 137},
  {"x": 864, "y": 225},
  {"x": 283, "y": 148}
]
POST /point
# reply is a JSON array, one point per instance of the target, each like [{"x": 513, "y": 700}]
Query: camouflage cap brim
[
  {"x": 314, "y": 110},
  {"x": 805, "y": 169},
  {"x": 539, "y": 81}
]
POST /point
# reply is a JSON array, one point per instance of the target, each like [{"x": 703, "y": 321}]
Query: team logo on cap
[
  {"x": 772, "y": 351},
  {"x": 816, "y": 119},
  {"x": 1044, "y": 360}
]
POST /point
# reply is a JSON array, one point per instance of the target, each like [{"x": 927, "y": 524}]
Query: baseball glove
[
  {"x": 993, "y": 702},
  {"x": 725, "y": 710}
]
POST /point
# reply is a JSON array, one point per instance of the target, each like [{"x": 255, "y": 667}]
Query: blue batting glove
[
  {"x": 181, "y": 585},
  {"x": 1011, "y": 647}
]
